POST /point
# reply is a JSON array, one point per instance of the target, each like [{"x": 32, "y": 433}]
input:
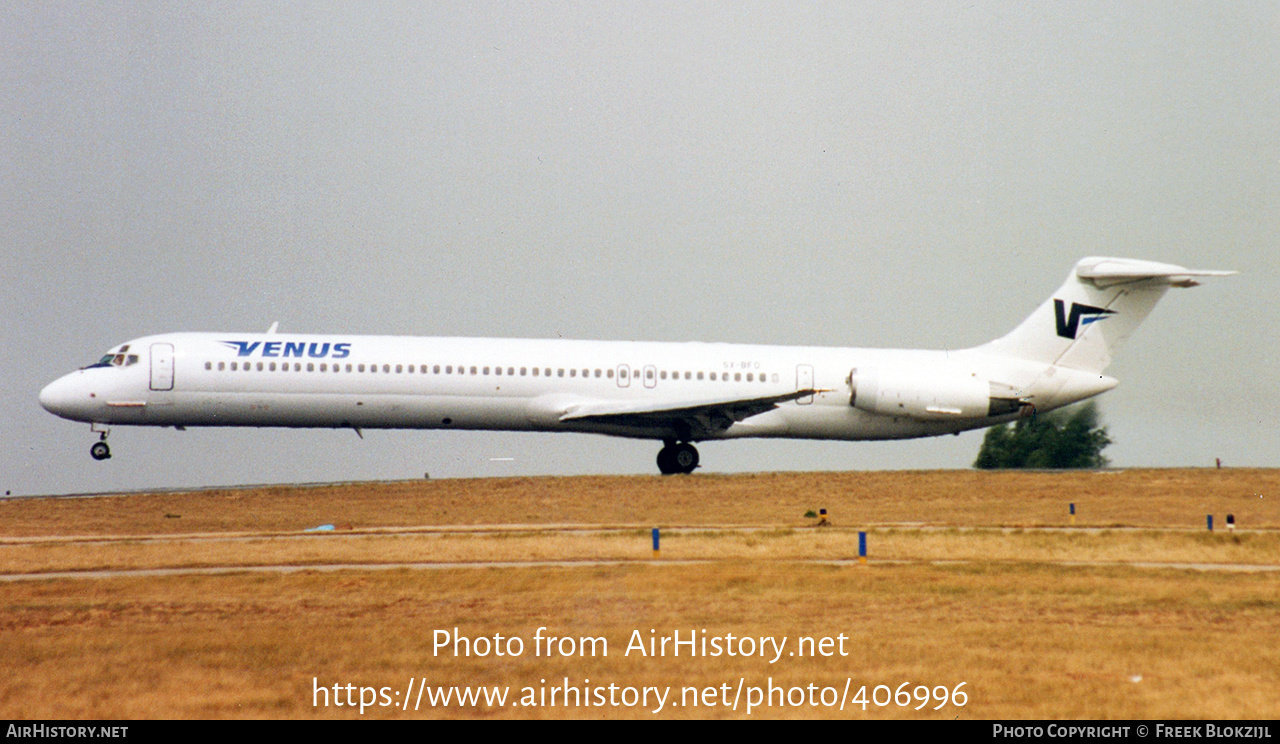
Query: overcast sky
[{"x": 846, "y": 174}]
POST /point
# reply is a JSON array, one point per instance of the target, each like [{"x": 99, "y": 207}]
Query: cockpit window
[{"x": 116, "y": 359}]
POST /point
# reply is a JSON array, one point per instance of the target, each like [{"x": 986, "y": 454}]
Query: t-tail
[{"x": 1102, "y": 301}]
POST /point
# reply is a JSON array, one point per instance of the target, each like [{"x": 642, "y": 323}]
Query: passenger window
[
  {"x": 473, "y": 370},
  {"x": 222, "y": 366},
  {"x": 608, "y": 373},
  {"x": 523, "y": 371},
  {"x": 399, "y": 369},
  {"x": 208, "y": 365},
  {"x": 560, "y": 373},
  {"x": 311, "y": 367},
  {"x": 511, "y": 371}
]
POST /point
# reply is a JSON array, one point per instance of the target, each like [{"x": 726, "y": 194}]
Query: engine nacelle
[{"x": 925, "y": 395}]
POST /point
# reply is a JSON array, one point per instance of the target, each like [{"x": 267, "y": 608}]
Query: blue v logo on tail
[{"x": 1069, "y": 325}]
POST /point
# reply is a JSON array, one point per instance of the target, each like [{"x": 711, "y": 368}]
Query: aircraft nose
[{"x": 64, "y": 397}]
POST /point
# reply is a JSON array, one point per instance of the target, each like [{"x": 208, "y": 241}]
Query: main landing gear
[{"x": 677, "y": 457}]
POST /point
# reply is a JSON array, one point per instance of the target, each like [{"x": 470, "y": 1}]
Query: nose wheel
[
  {"x": 100, "y": 450},
  {"x": 677, "y": 458}
]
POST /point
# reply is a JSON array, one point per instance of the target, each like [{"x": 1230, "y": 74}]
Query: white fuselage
[
  {"x": 290, "y": 380},
  {"x": 675, "y": 392}
]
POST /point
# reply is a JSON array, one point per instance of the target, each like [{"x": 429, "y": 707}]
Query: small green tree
[{"x": 1067, "y": 438}]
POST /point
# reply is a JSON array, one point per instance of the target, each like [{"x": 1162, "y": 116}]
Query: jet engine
[{"x": 926, "y": 395}]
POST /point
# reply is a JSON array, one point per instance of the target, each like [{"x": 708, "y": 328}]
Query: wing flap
[{"x": 699, "y": 418}]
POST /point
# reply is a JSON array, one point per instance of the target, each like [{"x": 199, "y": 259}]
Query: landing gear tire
[
  {"x": 100, "y": 451},
  {"x": 665, "y": 465},
  {"x": 679, "y": 458}
]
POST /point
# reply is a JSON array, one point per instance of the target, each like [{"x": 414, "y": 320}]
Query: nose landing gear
[
  {"x": 100, "y": 450},
  {"x": 677, "y": 458}
]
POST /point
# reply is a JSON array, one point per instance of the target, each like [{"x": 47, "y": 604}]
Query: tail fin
[{"x": 1094, "y": 311}]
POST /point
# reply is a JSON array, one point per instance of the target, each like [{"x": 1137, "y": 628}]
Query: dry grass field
[{"x": 1134, "y": 610}]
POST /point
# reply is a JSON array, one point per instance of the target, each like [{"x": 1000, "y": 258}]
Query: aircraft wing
[{"x": 698, "y": 419}]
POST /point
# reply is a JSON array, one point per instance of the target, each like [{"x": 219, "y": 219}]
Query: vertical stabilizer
[{"x": 1102, "y": 301}]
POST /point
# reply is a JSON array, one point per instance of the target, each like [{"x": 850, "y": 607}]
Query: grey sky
[{"x": 847, "y": 174}]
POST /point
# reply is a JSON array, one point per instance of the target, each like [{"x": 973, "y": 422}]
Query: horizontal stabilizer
[{"x": 1106, "y": 272}]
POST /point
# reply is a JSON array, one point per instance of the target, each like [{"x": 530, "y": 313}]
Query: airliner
[{"x": 678, "y": 394}]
